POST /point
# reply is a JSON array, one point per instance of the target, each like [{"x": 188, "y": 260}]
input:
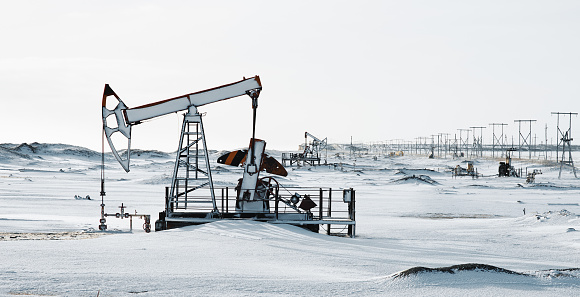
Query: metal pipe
[
  {"x": 329, "y": 210},
  {"x": 320, "y": 205}
]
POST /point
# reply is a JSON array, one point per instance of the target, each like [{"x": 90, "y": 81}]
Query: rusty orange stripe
[{"x": 230, "y": 158}]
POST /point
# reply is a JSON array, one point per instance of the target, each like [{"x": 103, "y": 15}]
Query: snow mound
[
  {"x": 422, "y": 171},
  {"x": 8, "y": 153},
  {"x": 164, "y": 179},
  {"x": 548, "y": 186},
  {"x": 36, "y": 150},
  {"x": 436, "y": 216},
  {"x": 220, "y": 169},
  {"x": 556, "y": 217},
  {"x": 552, "y": 273},
  {"x": 417, "y": 179},
  {"x": 145, "y": 154},
  {"x": 455, "y": 269}
]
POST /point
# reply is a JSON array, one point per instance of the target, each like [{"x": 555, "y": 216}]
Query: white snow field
[{"x": 49, "y": 246}]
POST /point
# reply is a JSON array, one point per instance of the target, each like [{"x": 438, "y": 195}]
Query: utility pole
[
  {"x": 445, "y": 142},
  {"x": 434, "y": 146},
  {"x": 565, "y": 140},
  {"x": 524, "y": 140},
  {"x": 499, "y": 141},
  {"x": 465, "y": 143},
  {"x": 351, "y": 148},
  {"x": 546, "y": 142},
  {"x": 478, "y": 141},
  {"x": 454, "y": 146}
]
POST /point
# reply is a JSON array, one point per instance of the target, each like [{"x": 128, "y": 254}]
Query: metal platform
[
  {"x": 333, "y": 214},
  {"x": 299, "y": 159}
]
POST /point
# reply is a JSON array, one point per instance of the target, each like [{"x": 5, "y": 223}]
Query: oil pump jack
[
  {"x": 192, "y": 170},
  {"x": 311, "y": 153},
  {"x": 506, "y": 168}
]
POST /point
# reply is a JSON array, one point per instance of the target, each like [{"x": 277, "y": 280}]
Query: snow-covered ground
[{"x": 49, "y": 246}]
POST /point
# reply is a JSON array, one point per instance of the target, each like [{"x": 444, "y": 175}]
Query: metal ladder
[{"x": 192, "y": 173}]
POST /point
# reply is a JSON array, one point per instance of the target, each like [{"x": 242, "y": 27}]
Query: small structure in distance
[
  {"x": 506, "y": 168},
  {"x": 311, "y": 154}
]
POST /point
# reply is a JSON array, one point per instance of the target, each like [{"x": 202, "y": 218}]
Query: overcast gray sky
[{"x": 374, "y": 70}]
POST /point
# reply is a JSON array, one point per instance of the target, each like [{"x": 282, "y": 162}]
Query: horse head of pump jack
[{"x": 118, "y": 125}]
